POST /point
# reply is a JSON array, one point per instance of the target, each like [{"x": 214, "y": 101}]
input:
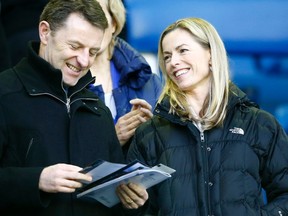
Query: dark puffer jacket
[
  {"x": 41, "y": 125},
  {"x": 221, "y": 171}
]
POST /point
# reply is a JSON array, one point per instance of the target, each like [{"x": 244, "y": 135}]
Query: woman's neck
[
  {"x": 101, "y": 70},
  {"x": 196, "y": 100}
]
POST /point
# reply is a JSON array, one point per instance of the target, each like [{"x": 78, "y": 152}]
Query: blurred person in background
[
  {"x": 124, "y": 80},
  {"x": 223, "y": 147}
]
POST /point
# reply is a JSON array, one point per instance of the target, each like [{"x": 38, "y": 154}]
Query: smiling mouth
[
  {"x": 73, "y": 68},
  {"x": 180, "y": 72}
]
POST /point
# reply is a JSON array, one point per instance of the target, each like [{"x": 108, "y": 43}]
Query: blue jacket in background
[{"x": 135, "y": 79}]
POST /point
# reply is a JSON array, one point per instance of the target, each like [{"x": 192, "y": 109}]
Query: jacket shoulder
[{"x": 9, "y": 82}]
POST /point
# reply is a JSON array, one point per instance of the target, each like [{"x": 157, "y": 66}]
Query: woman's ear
[{"x": 44, "y": 31}]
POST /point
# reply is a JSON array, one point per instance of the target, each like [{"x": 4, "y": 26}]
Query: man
[{"x": 51, "y": 125}]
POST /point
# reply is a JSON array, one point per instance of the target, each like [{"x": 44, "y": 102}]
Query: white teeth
[
  {"x": 73, "y": 68},
  {"x": 179, "y": 73}
]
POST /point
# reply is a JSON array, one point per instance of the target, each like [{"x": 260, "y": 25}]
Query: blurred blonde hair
[
  {"x": 117, "y": 11},
  {"x": 214, "y": 110}
]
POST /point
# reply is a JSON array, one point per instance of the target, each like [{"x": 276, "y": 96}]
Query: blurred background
[
  {"x": 18, "y": 24},
  {"x": 255, "y": 34}
]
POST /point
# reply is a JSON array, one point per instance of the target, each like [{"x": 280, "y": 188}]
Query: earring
[{"x": 210, "y": 65}]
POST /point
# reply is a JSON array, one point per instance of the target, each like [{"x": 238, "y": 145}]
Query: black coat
[
  {"x": 41, "y": 125},
  {"x": 221, "y": 171}
]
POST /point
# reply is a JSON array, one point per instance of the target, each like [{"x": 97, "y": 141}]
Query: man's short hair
[{"x": 56, "y": 12}]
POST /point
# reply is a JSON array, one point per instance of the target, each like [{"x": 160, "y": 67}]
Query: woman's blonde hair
[
  {"x": 214, "y": 109},
  {"x": 117, "y": 11}
]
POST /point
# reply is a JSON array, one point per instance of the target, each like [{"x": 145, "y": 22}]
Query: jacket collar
[
  {"x": 238, "y": 98},
  {"x": 162, "y": 109}
]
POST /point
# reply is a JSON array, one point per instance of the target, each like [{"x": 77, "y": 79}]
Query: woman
[
  {"x": 224, "y": 149},
  {"x": 123, "y": 77}
]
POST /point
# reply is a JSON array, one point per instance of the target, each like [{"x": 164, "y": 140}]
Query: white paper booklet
[{"x": 107, "y": 176}]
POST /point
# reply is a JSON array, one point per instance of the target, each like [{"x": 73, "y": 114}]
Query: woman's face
[
  {"x": 186, "y": 61},
  {"x": 111, "y": 25}
]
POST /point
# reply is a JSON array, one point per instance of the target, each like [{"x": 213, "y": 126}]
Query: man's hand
[
  {"x": 63, "y": 178},
  {"x": 132, "y": 196},
  {"x": 127, "y": 124}
]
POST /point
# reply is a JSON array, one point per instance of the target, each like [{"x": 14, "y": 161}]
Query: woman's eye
[
  {"x": 183, "y": 50},
  {"x": 166, "y": 58}
]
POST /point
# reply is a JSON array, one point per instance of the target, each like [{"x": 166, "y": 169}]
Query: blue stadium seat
[
  {"x": 255, "y": 34},
  {"x": 254, "y": 26},
  {"x": 281, "y": 113},
  {"x": 269, "y": 90}
]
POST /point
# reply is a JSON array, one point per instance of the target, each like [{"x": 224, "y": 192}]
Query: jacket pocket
[{"x": 29, "y": 148}]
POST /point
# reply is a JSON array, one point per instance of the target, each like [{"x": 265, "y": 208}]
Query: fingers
[
  {"x": 62, "y": 178},
  {"x": 134, "y": 118},
  {"x": 144, "y": 107},
  {"x": 124, "y": 133},
  {"x": 145, "y": 114},
  {"x": 127, "y": 124},
  {"x": 140, "y": 103},
  {"x": 66, "y": 186},
  {"x": 132, "y": 196}
]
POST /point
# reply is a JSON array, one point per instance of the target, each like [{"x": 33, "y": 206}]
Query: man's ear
[{"x": 44, "y": 31}]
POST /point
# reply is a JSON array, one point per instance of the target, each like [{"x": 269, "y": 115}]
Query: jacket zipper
[
  {"x": 208, "y": 183},
  {"x": 68, "y": 99},
  {"x": 202, "y": 136},
  {"x": 68, "y": 105}
]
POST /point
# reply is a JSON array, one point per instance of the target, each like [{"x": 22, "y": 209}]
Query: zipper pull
[{"x": 68, "y": 105}]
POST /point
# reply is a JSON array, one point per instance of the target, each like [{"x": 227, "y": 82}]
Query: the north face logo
[{"x": 237, "y": 130}]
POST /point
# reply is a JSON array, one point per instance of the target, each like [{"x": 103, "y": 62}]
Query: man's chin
[{"x": 70, "y": 82}]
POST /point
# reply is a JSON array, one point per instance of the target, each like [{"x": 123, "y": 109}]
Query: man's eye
[
  {"x": 74, "y": 47},
  {"x": 92, "y": 54}
]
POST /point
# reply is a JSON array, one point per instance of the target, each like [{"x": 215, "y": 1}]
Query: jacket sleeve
[
  {"x": 138, "y": 151},
  {"x": 275, "y": 175},
  {"x": 134, "y": 152}
]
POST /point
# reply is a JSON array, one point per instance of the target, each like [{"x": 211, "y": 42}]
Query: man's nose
[{"x": 84, "y": 58}]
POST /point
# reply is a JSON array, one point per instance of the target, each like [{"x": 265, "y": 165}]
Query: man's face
[{"x": 72, "y": 48}]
